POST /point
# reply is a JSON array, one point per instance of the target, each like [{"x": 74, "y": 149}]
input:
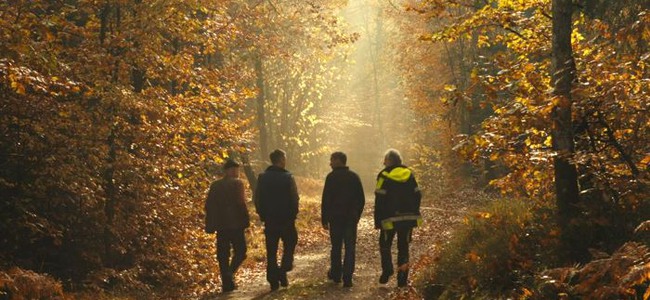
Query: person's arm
[
  {"x": 380, "y": 198},
  {"x": 257, "y": 198},
  {"x": 241, "y": 201},
  {"x": 295, "y": 198},
  {"x": 417, "y": 194},
  {"x": 325, "y": 203},
  {"x": 210, "y": 210},
  {"x": 360, "y": 197}
]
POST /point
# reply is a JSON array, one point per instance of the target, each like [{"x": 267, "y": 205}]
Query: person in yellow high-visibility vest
[{"x": 397, "y": 212}]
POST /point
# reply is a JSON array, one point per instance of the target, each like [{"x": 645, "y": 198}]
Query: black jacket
[
  {"x": 343, "y": 197},
  {"x": 397, "y": 198},
  {"x": 276, "y": 196}
]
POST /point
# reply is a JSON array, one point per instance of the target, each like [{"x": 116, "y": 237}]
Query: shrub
[
  {"x": 494, "y": 252},
  {"x": 18, "y": 284},
  {"x": 623, "y": 275}
]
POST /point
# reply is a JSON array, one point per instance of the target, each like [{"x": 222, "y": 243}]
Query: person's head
[
  {"x": 392, "y": 158},
  {"x": 231, "y": 168},
  {"x": 278, "y": 158},
  {"x": 338, "y": 159}
]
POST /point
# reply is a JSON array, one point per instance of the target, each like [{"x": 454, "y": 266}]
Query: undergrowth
[{"x": 495, "y": 251}]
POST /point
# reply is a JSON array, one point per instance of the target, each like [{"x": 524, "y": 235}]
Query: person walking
[
  {"x": 341, "y": 207},
  {"x": 227, "y": 215},
  {"x": 276, "y": 201},
  {"x": 397, "y": 211}
]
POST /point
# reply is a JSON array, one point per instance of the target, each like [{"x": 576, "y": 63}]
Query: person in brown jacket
[{"x": 226, "y": 213}]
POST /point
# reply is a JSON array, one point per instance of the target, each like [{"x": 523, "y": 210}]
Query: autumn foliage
[
  {"x": 624, "y": 275},
  {"x": 17, "y": 283},
  {"x": 495, "y": 108},
  {"x": 114, "y": 118}
]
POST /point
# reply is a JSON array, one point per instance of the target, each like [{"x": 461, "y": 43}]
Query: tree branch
[{"x": 612, "y": 139}]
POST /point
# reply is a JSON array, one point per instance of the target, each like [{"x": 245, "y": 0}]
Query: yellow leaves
[
  {"x": 548, "y": 142},
  {"x": 483, "y": 41},
  {"x": 426, "y": 37},
  {"x": 450, "y": 87},
  {"x": 494, "y": 156},
  {"x": 576, "y": 36},
  {"x": 517, "y": 5},
  {"x": 474, "y": 74},
  {"x": 249, "y": 93},
  {"x": 482, "y": 215},
  {"x": 18, "y": 87},
  {"x": 645, "y": 162}
]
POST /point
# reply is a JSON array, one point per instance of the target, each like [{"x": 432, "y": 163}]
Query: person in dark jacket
[
  {"x": 397, "y": 211},
  {"x": 341, "y": 208},
  {"x": 226, "y": 213},
  {"x": 276, "y": 202}
]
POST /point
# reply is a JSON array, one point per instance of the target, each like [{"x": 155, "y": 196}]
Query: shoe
[
  {"x": 383, "y": 279},
  {"x": 275, "y": 285},
  {"x": 283, "y": 279},
  {"x": 347, "y": 283},
  {"x": 228, "y": 287},
  {"x": 402, "y": 279},
  {"x": 330, "y": 276}
]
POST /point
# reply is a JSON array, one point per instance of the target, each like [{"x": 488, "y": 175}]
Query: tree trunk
[
  {"x": 375, "y": 66},
  {"x": 566, "y": 175},
  {"x": 261, "y": 115},
  {"x": 109, "y": 187}
]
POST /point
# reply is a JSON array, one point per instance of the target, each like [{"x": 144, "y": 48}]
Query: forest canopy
[{"x": 116, "y": 115}]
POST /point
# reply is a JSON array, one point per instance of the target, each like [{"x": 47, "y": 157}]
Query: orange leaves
[
  {"x": 26, "y": 284},
  {"x": 473, "y": 257},
  {"x": 483, "y": 215},
  {"x": 625, "y": 274},
  {"x": 18, "y": 87}
]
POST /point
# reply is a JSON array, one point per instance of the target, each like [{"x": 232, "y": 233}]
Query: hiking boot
[
  {"x": 275, "y": 285},
  {"x": 330, "y": 276},
  {"x": 383, "y": 279},
  {"x": 347, "y": 283},
  {"x": 228, "y": 286},
  {"x": 402, "y": 279},
  {"x": 283, "y": 279}
]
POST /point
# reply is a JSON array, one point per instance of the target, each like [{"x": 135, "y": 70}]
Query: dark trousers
[
  {"x": 226, "y": 240},
  {"x": 343, "y": 232},
  {"x": 386, "y": 242},
  {"x": 289, "y": 236}
]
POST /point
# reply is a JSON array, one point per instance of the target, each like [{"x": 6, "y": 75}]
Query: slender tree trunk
[
  {"x": 261, "y": 112},
  {"x": 566, "y": 175},
  {"x": 111, "y": 200},
  {"x": 375, "y": 52},
  {"x": 109, "y": 171}
]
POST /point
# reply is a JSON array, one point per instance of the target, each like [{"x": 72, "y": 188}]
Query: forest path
[{"x": 308, "y": 280}]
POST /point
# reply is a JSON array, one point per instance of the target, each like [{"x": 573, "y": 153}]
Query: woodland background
[{"x": 115, "y": 116}]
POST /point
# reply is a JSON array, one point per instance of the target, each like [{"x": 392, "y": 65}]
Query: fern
[{"x": 624, "y": 275}]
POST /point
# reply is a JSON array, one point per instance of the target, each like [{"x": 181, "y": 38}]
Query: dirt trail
[{"x": 308, "y": 280}]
